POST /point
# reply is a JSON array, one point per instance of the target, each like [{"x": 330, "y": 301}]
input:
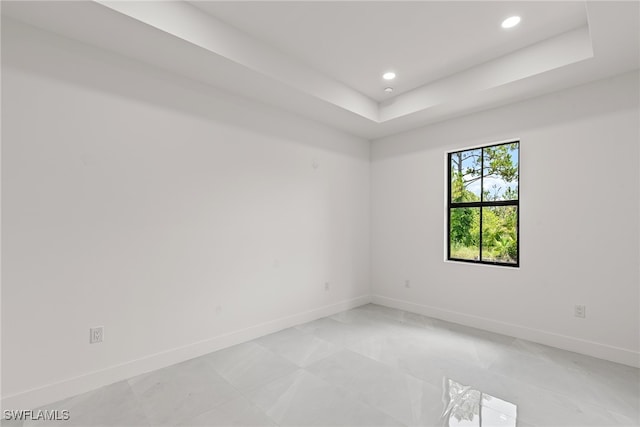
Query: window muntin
[{"x": 483, "y": 204}]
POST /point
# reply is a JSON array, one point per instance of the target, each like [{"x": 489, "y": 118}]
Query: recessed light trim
[
  {"x": 389, "y": 75},
  {"x": 511, "y": 22},
  {"x": 388, "y": 89}
]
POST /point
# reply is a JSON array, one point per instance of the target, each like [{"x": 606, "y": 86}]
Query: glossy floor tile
[
  {"x": 249, "y": 365},
  {"x": 113, "y": 405},
  {"x": 370, "y": 366},
  {"x": 238, "y": 412},
  {"x": 303, "y": 399},
  {"x": 390, "y": 390},
  {"x": 298, "y": 347},
  {"x": 170, "y": 395},
  {"x": 466, "y": 405}
]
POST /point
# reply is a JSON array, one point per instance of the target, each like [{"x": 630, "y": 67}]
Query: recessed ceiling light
[
  {"x": 510, "y": 22},
  {"x": 388, "y": 89},
  {"x": 389, "y": 75}
]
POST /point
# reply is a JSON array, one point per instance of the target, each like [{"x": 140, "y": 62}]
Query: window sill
[{"x": 482, "y": 264}]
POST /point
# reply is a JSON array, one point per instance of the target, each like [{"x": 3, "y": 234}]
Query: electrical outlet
[
  {"x": 326, "y": 286},
  {"x": 96, "y": 334},
  {"x": 580, "y": 311},
  {"x": 407, "y": 283}
]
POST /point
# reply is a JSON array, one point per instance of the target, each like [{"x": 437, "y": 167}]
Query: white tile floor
[{"x": 370, "y": 366}]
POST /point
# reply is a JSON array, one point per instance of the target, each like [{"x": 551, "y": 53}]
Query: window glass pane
[
  {"x": 500, "y": 172},
  {"x": 500, "y": 234},
  {"x": 465, "y": 176},
  {"x": 464, "y": 233}
]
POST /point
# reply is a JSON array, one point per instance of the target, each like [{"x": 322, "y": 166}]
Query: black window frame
[{"x": 482, "y": 204}]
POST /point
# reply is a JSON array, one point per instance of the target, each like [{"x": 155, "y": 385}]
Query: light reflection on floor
[{"x": 467, "y": 407}]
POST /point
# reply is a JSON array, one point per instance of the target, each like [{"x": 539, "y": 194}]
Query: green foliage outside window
[{"x": 483, "y": 209}]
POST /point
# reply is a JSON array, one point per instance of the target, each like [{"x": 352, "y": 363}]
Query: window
[{"x": 483, "y": 207}]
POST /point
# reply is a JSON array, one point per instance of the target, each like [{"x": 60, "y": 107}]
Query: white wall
[
  {"x": 179, "y": 217},
  {"x": 579, "y": 222}
]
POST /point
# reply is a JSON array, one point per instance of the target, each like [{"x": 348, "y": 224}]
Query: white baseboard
[
  {"x": 590, "y": 348},
  {"x": 44, "y": 395}
]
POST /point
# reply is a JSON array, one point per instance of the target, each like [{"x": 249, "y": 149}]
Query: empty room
[{"x": 320, "y": 213}]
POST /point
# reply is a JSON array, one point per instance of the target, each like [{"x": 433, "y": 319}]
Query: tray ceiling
[{"x": 324, "y": 60}]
